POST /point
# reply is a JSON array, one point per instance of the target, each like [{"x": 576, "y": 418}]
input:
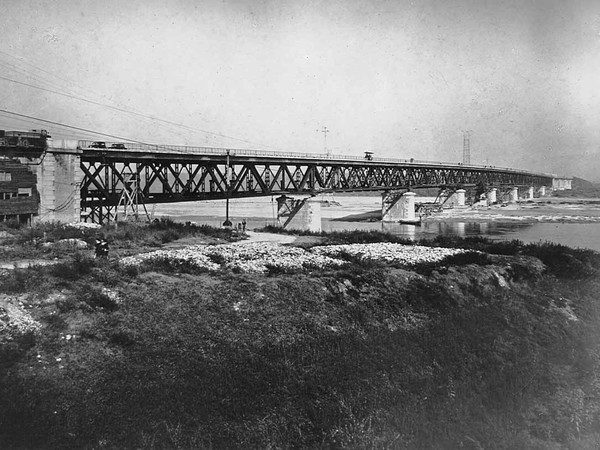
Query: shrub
[
  {"x": 15, "y": 280},
  {"x": 565, "y": 262},
  {"x": 12, "y": 224},
  {"x": 122, "y": 338},
  {"x": 69, "y": 303},
  {"x": 168, "y": 235},
  {"x": 458, "y": 259},
  {"x": 73, "y": 269},
  {"x": 95, "y": 297}
]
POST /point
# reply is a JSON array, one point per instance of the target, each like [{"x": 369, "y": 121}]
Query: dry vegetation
[{"x": 498, "y": 348}]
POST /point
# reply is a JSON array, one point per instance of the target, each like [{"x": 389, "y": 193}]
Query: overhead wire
[
  {"x": 79, "y": 97},
  {"x": 83, "y": 95},
  {"x": 34, "y": 76},
  {"x": 37, "y": 69},
  {"x": 11, "y": 118},
  {"x": 121, "y": 138}
]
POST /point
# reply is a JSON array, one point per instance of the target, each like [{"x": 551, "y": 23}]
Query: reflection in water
[
  {"x": 429, "y": 230},
  {"x": 401, "y": 229},
  {"x": 261, "y": 212}
]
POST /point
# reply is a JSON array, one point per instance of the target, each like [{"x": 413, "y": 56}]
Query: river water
[{"x": 573, "y": 223}]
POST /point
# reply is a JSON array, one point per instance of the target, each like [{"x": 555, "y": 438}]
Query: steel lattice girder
[{"x": 174, "y": 178}]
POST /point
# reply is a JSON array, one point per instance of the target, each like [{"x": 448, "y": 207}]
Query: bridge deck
[
  {"x": 138, "y": 151},
  {"x": 145, "y": 173}
]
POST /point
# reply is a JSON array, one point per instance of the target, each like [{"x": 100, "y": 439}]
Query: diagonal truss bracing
[{"x": 175, "y": 177}]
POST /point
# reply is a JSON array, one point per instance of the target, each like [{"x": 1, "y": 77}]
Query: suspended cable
[
  {"x": 75, "y": 128},
  {"x": 126, "y": 111}
]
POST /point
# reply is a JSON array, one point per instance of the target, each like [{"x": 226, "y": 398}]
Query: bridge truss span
[{"x": 160, "y": 177}]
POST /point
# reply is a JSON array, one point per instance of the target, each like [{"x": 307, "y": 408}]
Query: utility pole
[
  {"x": 325, "y": 130},
  {"x": 467, "y": 147},
  {"x": 227, "y": 222}
]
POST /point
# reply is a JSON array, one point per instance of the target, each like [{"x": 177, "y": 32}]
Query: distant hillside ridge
[{"x": 580, "y": 188}]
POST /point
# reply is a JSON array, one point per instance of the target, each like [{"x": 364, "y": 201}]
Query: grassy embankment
[{"x": 493, "y": 350}]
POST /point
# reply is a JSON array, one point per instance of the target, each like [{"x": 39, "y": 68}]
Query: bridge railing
[{"x": 194, "y": 150}]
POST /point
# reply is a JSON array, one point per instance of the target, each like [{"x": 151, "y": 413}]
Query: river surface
[{"x": 575, "y": 224}]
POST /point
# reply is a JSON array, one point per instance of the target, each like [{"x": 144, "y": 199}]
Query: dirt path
[
  {"x": 255, "y": 236},
  {"x": 24, "y": 263}
]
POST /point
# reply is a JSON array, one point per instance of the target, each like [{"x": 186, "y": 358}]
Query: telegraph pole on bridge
[
  {"x": 227, "y": 222},
  {"x": 467, "y": 147},
  {"x": 325, "y": 130}
]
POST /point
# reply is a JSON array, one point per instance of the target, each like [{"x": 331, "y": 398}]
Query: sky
[{"x": 403, "y": 79}]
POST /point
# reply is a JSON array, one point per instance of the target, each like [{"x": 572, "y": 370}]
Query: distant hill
[
  {"x": 580, "y": 183},
  {"x": 581, "y": 188}
]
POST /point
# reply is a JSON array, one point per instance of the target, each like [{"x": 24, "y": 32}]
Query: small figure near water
[
  {"x": 244, "y": 225},
  {"x": 101, "y": 247}
]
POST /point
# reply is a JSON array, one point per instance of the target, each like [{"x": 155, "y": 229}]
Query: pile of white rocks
[
  {"x": 189, "y": 256},
  {"x": 386, "y": 251},
  {"x": 83, "y": 225},
  {"x": 261, "y": 257},
  {"x": 15, "y": 321},
  {"x": 255, "y": 257}
]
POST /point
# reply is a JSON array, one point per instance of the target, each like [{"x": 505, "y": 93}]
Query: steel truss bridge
[{"x": 144, "y": 174}]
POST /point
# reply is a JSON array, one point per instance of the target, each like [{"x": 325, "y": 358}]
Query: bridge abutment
[
  {"x": 299, "y": 214},
  {"x": 59, "y": 178},
  {"x": 398, "y": 207}
]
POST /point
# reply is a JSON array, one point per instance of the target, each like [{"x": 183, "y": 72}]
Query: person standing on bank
[{"x": 101, "y": 247}]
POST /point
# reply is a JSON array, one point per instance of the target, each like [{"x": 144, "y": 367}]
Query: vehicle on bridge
[
  {"x": 34, "y": 139},
  {"x": 97, "y": 144},
  {"x": 102, "y": 144}
]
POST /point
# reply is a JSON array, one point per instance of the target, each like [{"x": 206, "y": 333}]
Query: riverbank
[{"x": 346, "y": 340}]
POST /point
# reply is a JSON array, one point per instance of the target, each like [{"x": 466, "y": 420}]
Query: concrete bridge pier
[
  {"x": 530, "y": 192},
  {"x": 299, "y": 214},
  {"x": 457, "y": 199},
  {"x": 542, "y": 191},
  {"x": 513, "y": 195},
  {"x": 398, "y": 207},
  {"x": 491, "y": 196},
  {"x": 461, "y": 229}
]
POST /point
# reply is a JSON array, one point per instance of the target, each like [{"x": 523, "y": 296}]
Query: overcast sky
[{"x": 399, "y": 78}]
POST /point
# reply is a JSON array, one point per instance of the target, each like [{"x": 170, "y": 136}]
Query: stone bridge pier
[
  {"x": 513, "y": 195},
  {"x": 398, "y": 207},
  {"x": 457, "y": 199},
  {"x": 299, "y": 213},
  {"x": 530, "y": 193},
  {"x": 491, "y": 196}
]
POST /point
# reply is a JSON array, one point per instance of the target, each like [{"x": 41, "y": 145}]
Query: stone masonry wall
[{"x": 59, "y": 180}]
